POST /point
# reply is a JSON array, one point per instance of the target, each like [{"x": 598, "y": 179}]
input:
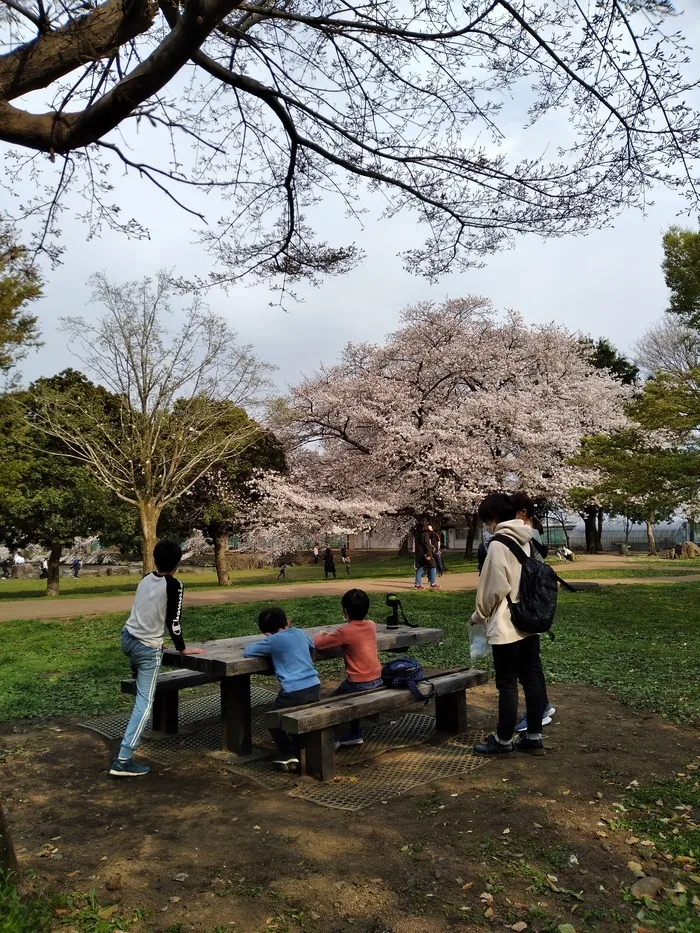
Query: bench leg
[
  {"x": 318, "y": 755},
  {"x": 235, "y": 712},
  {"x": 165, "y": 712},
  {"x": 451, "y": 713}
]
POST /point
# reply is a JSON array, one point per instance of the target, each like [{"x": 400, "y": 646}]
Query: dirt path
[
  {"x": 91, "y": 605},
  {"x": 196, "y": 848}
]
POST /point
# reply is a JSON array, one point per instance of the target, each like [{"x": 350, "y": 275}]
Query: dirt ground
[{"x": 464, "y": 854}]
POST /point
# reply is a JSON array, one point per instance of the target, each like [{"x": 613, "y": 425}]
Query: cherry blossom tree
[
  {"x": 459, "y": 401},
  {"x": 447, "y": 108}
]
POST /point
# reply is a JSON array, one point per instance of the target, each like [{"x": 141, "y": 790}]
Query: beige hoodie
[{"x": 500, "y": 577}]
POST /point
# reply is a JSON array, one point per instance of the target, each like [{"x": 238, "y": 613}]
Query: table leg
[
  {"x": 165, "y": 713},
  {"x": 451, "y": 713},
  {"x": 235, "y": 712}
]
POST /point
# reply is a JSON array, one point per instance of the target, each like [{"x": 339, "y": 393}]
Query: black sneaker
[
  {"x": 531, "y": 746},
  {"x": 286, "y": 764},
  {"x": 493, "y": 747}
]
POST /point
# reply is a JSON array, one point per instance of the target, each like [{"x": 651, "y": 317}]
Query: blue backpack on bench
[{"x": 406, "y": 673}]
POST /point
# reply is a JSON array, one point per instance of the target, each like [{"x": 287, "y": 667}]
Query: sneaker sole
[
  {"x": 128, "y": 774},
  {"x": 349, "y": 744},
  {"x": 493, "y": 754},
  {"x": 287, "y": 767}
]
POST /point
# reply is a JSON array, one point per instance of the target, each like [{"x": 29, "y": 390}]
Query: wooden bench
[
  {"x": 316, "y": 724},
  {"x": 165, "y": 702}
]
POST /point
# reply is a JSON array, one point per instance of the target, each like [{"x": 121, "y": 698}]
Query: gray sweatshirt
[{"x": 156, "y": 611}]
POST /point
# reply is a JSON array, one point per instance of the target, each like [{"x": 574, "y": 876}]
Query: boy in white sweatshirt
[{"x": 516, "y": 654}]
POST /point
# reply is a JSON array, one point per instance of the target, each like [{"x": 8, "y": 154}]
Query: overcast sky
[{"x": 608, "y": 283}]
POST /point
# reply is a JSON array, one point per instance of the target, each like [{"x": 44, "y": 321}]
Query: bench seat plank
[{"x": 343, "y": 709}]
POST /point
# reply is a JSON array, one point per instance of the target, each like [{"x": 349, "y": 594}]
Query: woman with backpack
[
  {"x": 516, "y": 654},
  {"x": 539, "y": 550}
]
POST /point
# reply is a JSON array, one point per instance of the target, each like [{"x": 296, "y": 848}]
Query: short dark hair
[
  {"x": 167, "y": 555},
  {"x": 498, "y": 507},
  {"x": 272, "y": 620},
  {"x": 523, "y": 503},
  {"x": 356, "y": 604}
]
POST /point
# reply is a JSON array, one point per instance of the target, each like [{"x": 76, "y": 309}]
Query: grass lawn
[
  {"x": 90, "y": 585},
  {"x": 638, "y": 642},
  {"x": 640, "y": 570}
]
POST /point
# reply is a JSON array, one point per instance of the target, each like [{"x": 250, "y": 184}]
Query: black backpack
[{"x": 534, "y": 613}]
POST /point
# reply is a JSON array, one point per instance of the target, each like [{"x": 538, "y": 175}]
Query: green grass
[
  {"x": 43, "y": 911},
  {"x": 638, "y": 642},
  {"x": 92, "y": 585},
  {"x": 638, "y": 571},
  {"x": 663, "y": 813}
]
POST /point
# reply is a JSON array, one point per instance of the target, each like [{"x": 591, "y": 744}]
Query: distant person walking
[
  {"x": 44, "y": 569},
  {"x": 424, "y": 557},
  {"x": 282, "y": 575},
  {"x": 328, "y": 563},
  {"x": 345, "y": 559},
  {"x": 316, "y": 552},
  {"x": 77, "y": 564},
  {"x": 437, "y": 550}
]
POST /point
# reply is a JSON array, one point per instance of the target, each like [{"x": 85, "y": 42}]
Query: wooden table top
[{"x": 224, "y": 657}]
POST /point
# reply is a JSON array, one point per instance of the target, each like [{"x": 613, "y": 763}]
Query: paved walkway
[{"x": 451, "y": 582}]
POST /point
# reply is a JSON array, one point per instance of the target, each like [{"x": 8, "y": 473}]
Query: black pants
[
  {"x": 288, "y": 745},
  {"x": 519, "y": 661},
  {"x": 330, "y": 570}
]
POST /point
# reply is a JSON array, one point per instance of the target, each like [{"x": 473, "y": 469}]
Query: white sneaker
[
  {"x": 290, "y": 765},
  {"x": 348, "y": 743}
]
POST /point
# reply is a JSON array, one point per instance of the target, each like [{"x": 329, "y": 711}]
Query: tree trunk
[
  {"x": 589, "y": 521},
  {"x": 149, "y": 513},
  {"x": 54, "y": 571},
  {"x": 562, "y": 522},
  {"x": 691, "y": 529},
  {"x": 221, "y": 558},
  {"x": 628, "y": 530},
  {"x": 599, "y": 531},
  {"x": 8, "y": 859},
  {"x": 471, "y": 534},
  {"x": 404, "y": 549},
  {"x": 650, "y": 536}
]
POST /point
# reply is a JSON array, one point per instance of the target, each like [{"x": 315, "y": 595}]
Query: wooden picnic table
[{"x": 224, "y": 659}]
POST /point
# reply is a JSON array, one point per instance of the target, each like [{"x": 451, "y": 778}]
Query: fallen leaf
[
  {"x": 601, "y": 833},
  {"x": 61, "y": 911},
  {"x": 632, "y": 841},
  {"x": 566, "y": 928},
  {"x": 506, "y": 832},
  {"x": 174, "y": 899},
  {"x": 465, "y": 887},
  {"x": 486, "y": 897},
  {"x": 107, "y": 912},
  {"x": 648, "y": 843},
  {"x": 684, "y": 860},
  {"x": 181, "y": 876},
  {"x": 636, "y": 869},
  {"x": 489, "y": 913},
  {"x": 646, "y": 887},
  {"x": 519, "y": 926},
  {"x": 537, "y": 825},
  {"x": 565, "y": 793}
]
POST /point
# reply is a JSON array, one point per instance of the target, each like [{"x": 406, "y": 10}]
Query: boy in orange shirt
[{"x": 358, "y": 639}]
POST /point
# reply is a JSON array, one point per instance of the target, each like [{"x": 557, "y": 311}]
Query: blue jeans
[
  {"x": 145, "y": 664},
  {"x": 349, "y": 686},
  {"x": 288, "y": 745},
  {"x": 431, "y": 575}
]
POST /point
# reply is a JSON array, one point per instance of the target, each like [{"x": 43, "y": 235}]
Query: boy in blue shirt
[{"x": 289, "y": 650}]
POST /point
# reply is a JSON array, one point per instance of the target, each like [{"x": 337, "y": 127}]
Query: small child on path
[
  {"x": 156, "y": 611},
  {"x": 289, "y": 649},
  {"x": 358, "y": 639}
]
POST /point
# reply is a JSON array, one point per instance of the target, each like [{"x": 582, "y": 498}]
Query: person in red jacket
[{"x": 358, "y": 639}]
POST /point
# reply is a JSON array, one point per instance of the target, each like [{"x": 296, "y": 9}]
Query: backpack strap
[
  {"x": 514, "y": 548},
  {"x": 567, "y": 586},
  {"x": 518, "y": 552}
]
